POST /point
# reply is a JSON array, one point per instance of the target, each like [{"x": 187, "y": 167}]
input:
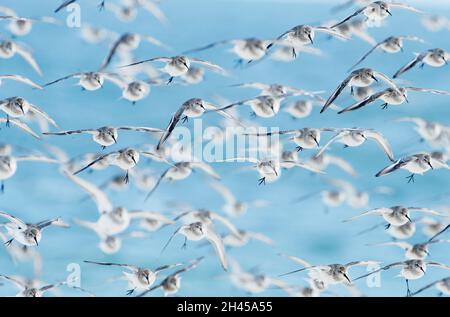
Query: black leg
[
  {"x": 184, "y": 119},
  {"x": 101, "y": 5},
  {"x": 133, "y": 103},
  {"x": 184, "y": 244},
  {"x": 262, "y": 180},
  {"x": 345, "y": 146},
  {"x": 103, "y": 147},
  {"x": 408, "y": 291},
  {"x": 294, "y": 53},
  {"x": 410, "y": 178},
  {"x": 130, "y": 291},
  {"x": 422, "y": 65},
  {"x": 7, "y": 121},
  {"x": 299, "y": 148},
  {"x": 2, "y": 187},
  {"x": 387, "y": 226},
  {"x": 384, "y": 106},
  {"x": 126, "y": 178},
  {"x": 351, "y": 90},
  {"x": 252, "y": 114},
  {"x": 8, "y": 243},
  {"x": 170, "y": 80},
  {"x": 239, "y": 62}
]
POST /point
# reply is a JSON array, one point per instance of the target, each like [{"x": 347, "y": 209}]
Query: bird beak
[
  {"x": 429, "y": 164},
  {"x": 374, "y": 78},
  {"x": 21, "y": 109},
  {"x": 445, "y": 60},
  {"x": 35, "y": 240},
  {"x": 406, "y": 98},
  {"x": 147, "y": 279},
  {"x": 275, "y": 171},
  {"x": 407, "y": 217},
  {"x": 315, "y": 140},
  {"x": 388, "y": 12},
  {"x": 310, "y": 38},
  {"x": 347, "y": 278},
  {"x": 426, "y": 252},
  {"x": 421, "y": 268},
  {"x": 185, "y": 65},
  {"x": 114, "y": 138},
  {"x": 134, "y": 160}
]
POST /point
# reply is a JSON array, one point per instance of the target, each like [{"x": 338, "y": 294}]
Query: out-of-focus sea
[{"x": 38, "y": 191}]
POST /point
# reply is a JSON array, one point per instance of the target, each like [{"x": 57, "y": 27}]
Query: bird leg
[
  {"x": 422, "y": 65},
  {"x": 262, "y": 180},
  {"x": 133, "y": 103},
  {"x": 408, "y": 291},
  {"x": 126, "y": 178},
  {"x": 387, "y": 226},
  {"x": 170, "y": 80},
  {"x": 351, "y": 90},
  {"x": 384, "y": 106},
  {"x": 130, "y": 291},
  {"x": 184, "y": 244},
  {"x": 2, "y": 187},
  {"x": 7, "y": 121},
  {"x": 103, "y": 147},
  {"x": 299, "y": 148},
  {"x": 184, "y": 119},
  {"x": 8, "y": 243},
  {"x": 294, "y": 53},
  {"x": 239, "y": 63},
  {"x": 101, "y": 5},
  {"x": 410, "y": 178},
  {"x": 252, "y": 114}
]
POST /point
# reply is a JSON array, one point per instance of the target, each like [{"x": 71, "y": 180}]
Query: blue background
[{"x": 38, "y": 191}]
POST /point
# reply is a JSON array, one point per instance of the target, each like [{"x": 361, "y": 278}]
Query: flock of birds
[{"x": 22, "y": 238}]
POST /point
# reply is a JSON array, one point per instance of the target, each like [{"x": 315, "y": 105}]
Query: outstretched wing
[{"x": 410, "y": 65}]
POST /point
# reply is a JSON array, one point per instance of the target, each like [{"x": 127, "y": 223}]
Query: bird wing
[
  {"x": 21, "y": 79},
  {"x": 95, "y": 161},
  {"x": 19, "y": 223},
  {"x": 217, "y": 243},
  {"x": 297, "y": 260},
  {"x": 410, "y": 65},
  {"x": 401, "y": 244},
  {"x": 214, "y": 67},
  {"x": 334, "y": 138},
  {"x": 432, "y": 91},
  {"x": 154, "y": 10},
  {"x": 337, "y": 92},
  {"x": 404, "y": 6},
  {"x": 368, "y": 53},
  {"x": 343, "y": 164},
  {"x": 376, "y": 211},
  {"x": 166, "y": 267},
  {"x": 393, "y": 167},
  {"x": 63, "y": 78},
  {"x": 43, "y": 114},
  {"x": 226, "y": 222},
  {"x": 224, "y": 191},
  {"x": 202, "y": 48},
  {"x": 172, "y": 124},
  {"x": 349, "y": 17},
  {"x": 102, "y": 201},
  {"x": 69, "y": 132},
  {"x": 127, "y": 266},
  {"x": 141, "y": 129},
  {"x": 426, "y": 210},
  {"x": 63, "y": 5},
  {"x": 381, "y": 141},
  {"x": 21, "y": 125},
  {"x": 28, "y": 57},
  {"x": 20, "y": 285},
  {"x": 205, "y": 168},
  {"x": 330, "y": 31}
]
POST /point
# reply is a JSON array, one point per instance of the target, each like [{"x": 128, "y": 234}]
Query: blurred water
[{"x": 38, "y": 191}]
